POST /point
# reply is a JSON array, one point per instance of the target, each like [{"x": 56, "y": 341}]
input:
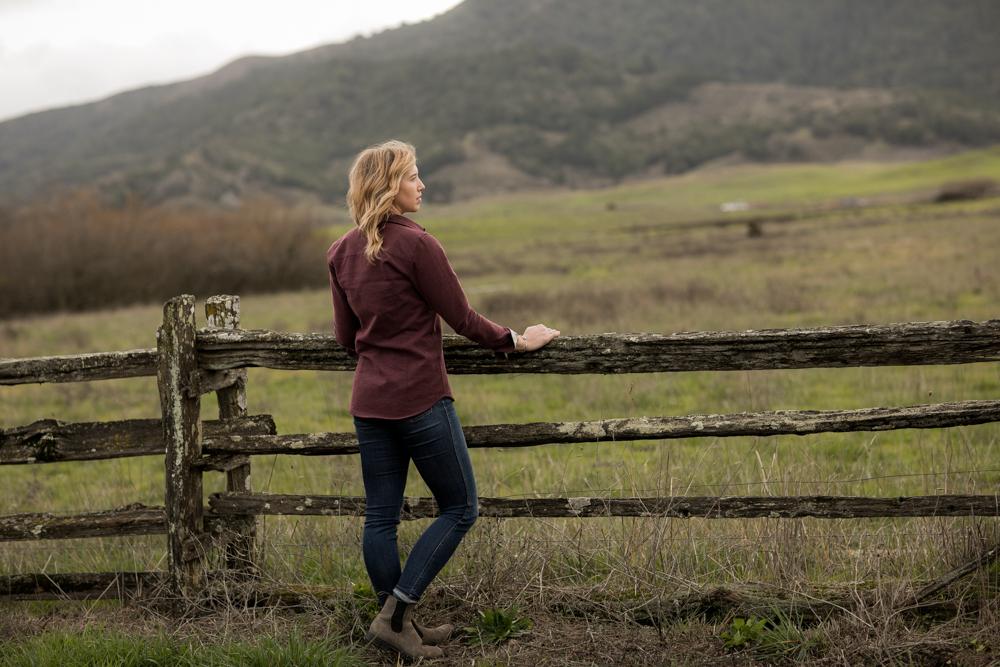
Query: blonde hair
[{"x": 373, "y": 185}]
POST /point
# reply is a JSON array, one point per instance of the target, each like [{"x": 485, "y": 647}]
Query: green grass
[
  {"x": 563, "y": 259},
  {"x": 573, "y": 214},
  {"x": 96, "y": 646}
]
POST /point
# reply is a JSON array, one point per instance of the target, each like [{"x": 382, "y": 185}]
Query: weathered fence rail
[
  {"x": 684, "y": 507},
  {"x": 81, "y": 585},
  {"x": 909, "y": 344},
  {"x": 920, "y": 343},
  {"x": 50, "y": 440},
  {"x": 136, "y": 519},
  {"x": 79, "y": 367},
  {"x": 190, "y": 362},
  {"x": 782, "y": 422}
]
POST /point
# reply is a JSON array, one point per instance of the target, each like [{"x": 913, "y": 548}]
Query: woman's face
[{"x": 410, "y": 191}]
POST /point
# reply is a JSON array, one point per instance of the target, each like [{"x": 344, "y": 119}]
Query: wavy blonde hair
[{"x": 373, "y": 185}]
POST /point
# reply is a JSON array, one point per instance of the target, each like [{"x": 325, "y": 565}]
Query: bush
[
  {"x": 975, "y": 188},
  {"x": 75, "y": 252}
]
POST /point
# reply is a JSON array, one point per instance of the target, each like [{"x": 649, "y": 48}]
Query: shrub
[{"x": 75, "y": 252}]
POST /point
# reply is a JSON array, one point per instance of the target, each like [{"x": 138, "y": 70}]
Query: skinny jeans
[{"x": 434, "y": 441}]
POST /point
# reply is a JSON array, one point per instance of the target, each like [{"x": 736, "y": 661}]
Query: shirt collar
[{"x": 404, "y": 221}]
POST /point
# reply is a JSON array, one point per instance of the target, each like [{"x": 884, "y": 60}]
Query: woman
[{"x": 390, "y": 280}]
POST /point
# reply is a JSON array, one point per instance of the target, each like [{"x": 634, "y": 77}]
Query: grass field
[{"x": 621, "y": 260}]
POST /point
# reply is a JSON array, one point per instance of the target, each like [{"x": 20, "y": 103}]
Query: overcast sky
[{"x": 59, "y": 52}]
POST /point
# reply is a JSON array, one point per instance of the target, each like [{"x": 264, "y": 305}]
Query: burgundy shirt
[{"x": 386, "y": 315}]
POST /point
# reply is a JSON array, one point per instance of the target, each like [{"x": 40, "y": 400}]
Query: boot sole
[{"x": 383, "y": 644}]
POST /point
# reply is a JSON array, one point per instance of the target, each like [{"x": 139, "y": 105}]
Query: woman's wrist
[{"x": 521, "y": 343}]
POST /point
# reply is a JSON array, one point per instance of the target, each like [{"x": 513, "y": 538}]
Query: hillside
[{"x": 530, "y": 93}]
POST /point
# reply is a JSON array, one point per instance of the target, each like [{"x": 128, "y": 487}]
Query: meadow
[{"x": 621, "y": 259}]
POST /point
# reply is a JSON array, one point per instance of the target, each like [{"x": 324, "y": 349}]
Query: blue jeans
[{"x": 435, "y": 442}]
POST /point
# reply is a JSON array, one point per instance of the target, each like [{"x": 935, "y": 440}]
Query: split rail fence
[{"x": 189, "y": 362}]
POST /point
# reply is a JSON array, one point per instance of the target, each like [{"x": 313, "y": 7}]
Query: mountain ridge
[{"x": 552, "y": 87}]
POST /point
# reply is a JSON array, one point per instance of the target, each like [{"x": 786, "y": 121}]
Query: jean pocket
[{"x": 418, "y": 417}]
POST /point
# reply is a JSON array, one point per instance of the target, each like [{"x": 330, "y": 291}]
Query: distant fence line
[{"x": 190, "y": 362}]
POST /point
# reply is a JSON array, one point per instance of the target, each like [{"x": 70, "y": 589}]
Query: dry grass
[{"x": 573, "y": 625}]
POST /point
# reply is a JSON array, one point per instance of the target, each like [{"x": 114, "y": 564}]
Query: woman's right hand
[{"x": 538, "y": 335}]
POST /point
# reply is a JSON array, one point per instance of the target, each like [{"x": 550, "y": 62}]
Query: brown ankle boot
[
  {"x": 393, "y": 630},
  {"x": 436, "y": 635}
]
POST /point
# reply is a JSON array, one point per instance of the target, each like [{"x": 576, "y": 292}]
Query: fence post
[
  {"x": 180, "y": 402},
  {"x": 223, "y": 312}
]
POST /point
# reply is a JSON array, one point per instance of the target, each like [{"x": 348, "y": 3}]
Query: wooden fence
[{"x": 190, "y": 362}]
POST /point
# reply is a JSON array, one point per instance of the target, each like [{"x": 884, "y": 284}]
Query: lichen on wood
[
  {"x": 180, "y": 404},
  {"x": 707, "y": 507},
  {"x": 52, "y": 440},
  {"x": 897, "y": 344},
  {"x": 781, "y": 422},
  {"x": 134, "y": 519},
  {"x": 222, "y": 312}
]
